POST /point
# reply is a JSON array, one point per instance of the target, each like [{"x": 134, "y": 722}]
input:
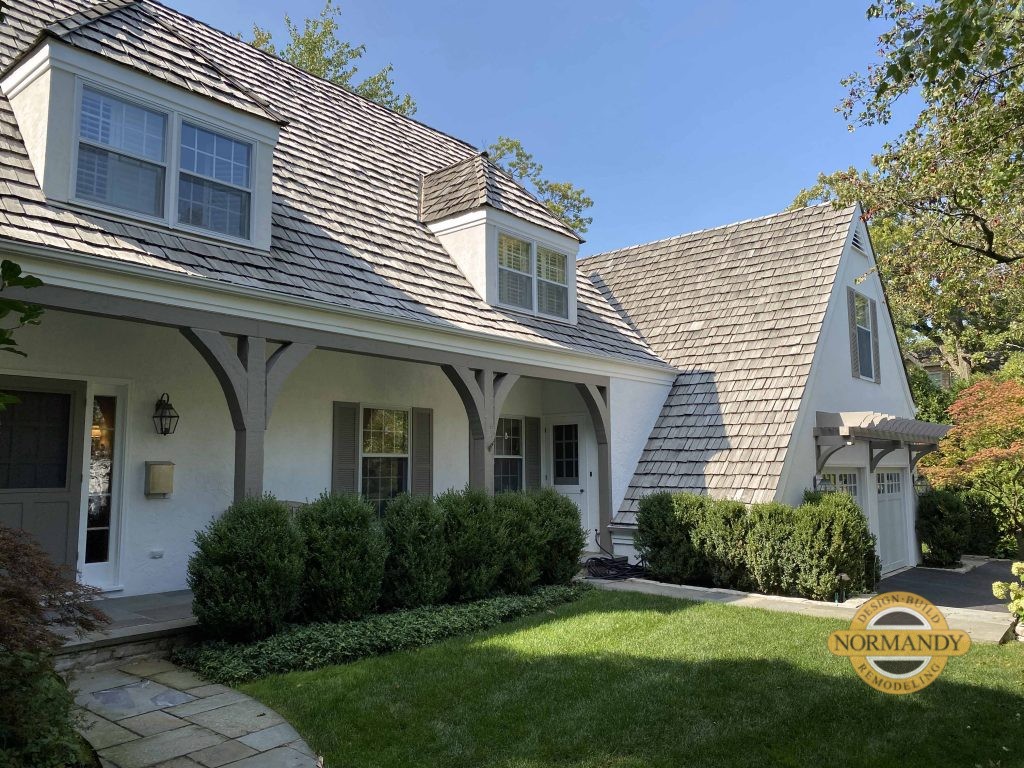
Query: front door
[
  {"x": 567, "y": 464},
  {"x": 41, "y": 442},
  {"x": 892, "y": 520}
]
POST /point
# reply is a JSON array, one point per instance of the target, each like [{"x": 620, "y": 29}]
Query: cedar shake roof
[
  {"x": 738, "y": 309},
  {"x": 346, "y": 226},
  {"x": 476, "y": 182}
]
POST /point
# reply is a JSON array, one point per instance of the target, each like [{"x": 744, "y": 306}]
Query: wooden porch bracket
[
  {"x": 596, "y": 399},
  {"x": 917, "y": 452},
  {"x": 879, "y": 449},
  {"x": 251, "y": 384},
  {"x": 825, "y": 445},
  {"x": 483, "y": 392}
]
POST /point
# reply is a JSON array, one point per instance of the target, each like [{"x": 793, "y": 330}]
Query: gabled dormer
[
  {"x": 104, "y": 136},
  {"x": 516, "y": 254}
]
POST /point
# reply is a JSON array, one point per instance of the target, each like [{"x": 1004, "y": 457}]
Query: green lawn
[{"x": 631, "y": 680}]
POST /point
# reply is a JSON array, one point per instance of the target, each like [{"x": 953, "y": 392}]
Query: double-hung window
[
  {"x": 214, "y": 181},
  {"x": 122, "y": 154},
  {"x": 385, "y": 454},
  {"x": 865, "y": 331},
  {"x": 128, "y": 159},
  {"x": 508, "y": 455},
  {"x": 532, "y": 277}
]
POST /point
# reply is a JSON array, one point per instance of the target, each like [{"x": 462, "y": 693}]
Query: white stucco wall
[
  {"x": 635, "y": 406},
  {"x": 832, "y": 387}
]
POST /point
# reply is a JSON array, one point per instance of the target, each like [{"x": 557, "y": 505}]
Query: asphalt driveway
[{"x": 954, "y": 590}]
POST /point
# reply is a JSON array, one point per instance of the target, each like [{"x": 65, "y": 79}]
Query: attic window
[
  {"x": 128, "y": 160},
  {"x": 858, "y": 240},
  {"x": 532, "y": 277}
]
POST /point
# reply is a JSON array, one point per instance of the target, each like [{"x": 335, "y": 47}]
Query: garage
[{"x": 892, "y": 508}]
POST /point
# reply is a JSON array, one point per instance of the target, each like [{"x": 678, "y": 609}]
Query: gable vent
[{"x": 859, "y": 240}]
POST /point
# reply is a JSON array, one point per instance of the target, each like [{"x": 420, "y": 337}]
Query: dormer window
[
  {"x": 213, "y": 186},
  {"x": 121, "y": 154},
  {"x": 532, "y": 277}
]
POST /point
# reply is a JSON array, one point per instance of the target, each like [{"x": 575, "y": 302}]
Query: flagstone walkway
[{"x": 153, "y": 714}]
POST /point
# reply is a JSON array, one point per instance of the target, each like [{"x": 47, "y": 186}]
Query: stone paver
[{"x": 152, "y": 714}]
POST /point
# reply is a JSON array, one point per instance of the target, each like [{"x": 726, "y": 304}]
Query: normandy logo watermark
[{"x": 899, "y": 643}]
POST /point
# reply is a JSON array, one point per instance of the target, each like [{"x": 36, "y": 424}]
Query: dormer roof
[{"x": 476, "y": 182}]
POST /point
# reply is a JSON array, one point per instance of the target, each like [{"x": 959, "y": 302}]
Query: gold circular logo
[{"x": 898, "y": 642}]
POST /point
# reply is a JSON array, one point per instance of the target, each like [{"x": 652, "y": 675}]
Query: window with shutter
[
  {"x": 345, "y": 453},
  {"x": 385, "y": 454},
  {"x": 508, "y": 455},
  {"x": 863, "y": 320},
  {"x": 422, "y": 451}
]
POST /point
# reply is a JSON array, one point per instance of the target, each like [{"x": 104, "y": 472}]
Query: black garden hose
[{"x": 608, "y": 566}]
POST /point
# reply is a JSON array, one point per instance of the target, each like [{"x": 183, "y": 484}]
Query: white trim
[{"x": 183, "y": 289}]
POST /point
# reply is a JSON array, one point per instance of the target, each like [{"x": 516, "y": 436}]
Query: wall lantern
[{"x": 165, "y": 418}]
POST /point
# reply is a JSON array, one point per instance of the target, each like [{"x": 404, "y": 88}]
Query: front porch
[{"x": 283, "y": 410}]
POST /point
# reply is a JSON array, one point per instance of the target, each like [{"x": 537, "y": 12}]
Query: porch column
[
  {"x": 596, "y": 399},
  {"x": 251, "y": 383},
  {"x": 483, "y": 392}
]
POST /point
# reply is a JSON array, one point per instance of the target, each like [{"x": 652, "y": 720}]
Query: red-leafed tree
[{"x": 985, "y": 450}]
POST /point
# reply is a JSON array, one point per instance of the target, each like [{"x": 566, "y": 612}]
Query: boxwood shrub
[
  {"x": 770, "y": 554},
  {"x": 830, "y": 538},
  {"x": 345, "y": 551},
  {"x": 561, "y": 537},
  {"x": 664, "y": 536},
  {"x": 319, "y": 645},
  {"x": 475, "y": 537},
  {"x": 246, "y": 570},
  {"x": 517, "y": 515},
  {"x": 943, "y": 527},
  {"x": 719, "y": 532},
  {"x": 416, "y": 568}
]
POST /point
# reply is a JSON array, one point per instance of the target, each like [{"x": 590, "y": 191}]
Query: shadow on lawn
[{"x": 474, "y": 703}]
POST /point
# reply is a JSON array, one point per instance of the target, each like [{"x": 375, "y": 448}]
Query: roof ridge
[
  {"x": 705, "y": 230},
  {"x": 86, "y": 16},
  {"x": 304, "y": 73}
]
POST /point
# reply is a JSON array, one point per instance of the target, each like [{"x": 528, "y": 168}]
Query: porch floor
[{"x": 139, "y": 617}]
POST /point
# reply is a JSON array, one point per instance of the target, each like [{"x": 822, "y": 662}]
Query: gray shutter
[
  {"x": 531, "y": 453},
  {"x": 851, "y": 305},
  {"x": 874, "y": 342},
  {"x": 345, "y": 451},
  {"x": 422, "y": 453}
]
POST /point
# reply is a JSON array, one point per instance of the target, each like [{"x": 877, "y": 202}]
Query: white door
[
  {"x": 892, "y": 520},
  {"x": 566, "y": 464}
]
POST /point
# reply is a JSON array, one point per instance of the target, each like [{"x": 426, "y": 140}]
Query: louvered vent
[{"x": 860, "y": 240}]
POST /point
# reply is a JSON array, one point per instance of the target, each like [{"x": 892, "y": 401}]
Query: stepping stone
[
  {"x": 100, "y": 732},
  {"x": 132, "y": 699},
  {"x": 87, "y": 682},
  {"x": 282, "y": 757},
  {"x": 210, "y": 702},
  {"x": 179, "y": 762},
  {"x": 148, "y": 667},
  {"x": 152, "y": 723},
  {"x": 207, "y": 690},
  {"x": 178, "y": 678},
  {"x": 237, "y": 719},
  {"x": 268, "y": 738},
  {"x": 160, "y": 748},
  {"x": 222, "y": 754}
]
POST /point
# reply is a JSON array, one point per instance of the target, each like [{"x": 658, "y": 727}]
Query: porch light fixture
[{"x": 165, "y": 418}]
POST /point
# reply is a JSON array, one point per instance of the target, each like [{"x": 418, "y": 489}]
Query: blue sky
[{"x": 674, "y": 115}]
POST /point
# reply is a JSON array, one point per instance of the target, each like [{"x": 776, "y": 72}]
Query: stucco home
[{"x": 256, "y": 281}]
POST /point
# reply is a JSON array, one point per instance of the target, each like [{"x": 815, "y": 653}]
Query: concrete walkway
[
  {"x": 154, "y": 714},
  {"x": 982, "y": 626}
]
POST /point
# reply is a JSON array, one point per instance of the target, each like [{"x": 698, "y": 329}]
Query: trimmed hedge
[
  {"x": 943, "y": 527},
  {"x": 319, "y": 645},
  {"x": 561, "y": 537},
  {"x": 345, "y": 552},
  {"x": 416, "y": 569},
  {"x": 476, "y": 543},
  {"x": 246, "y": 570},
  {"x": 691, "y": 539},
  {"x": 517, "y": 513}
]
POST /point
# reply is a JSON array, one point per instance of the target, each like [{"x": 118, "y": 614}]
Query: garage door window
[
  {"x": 845, "y": 482},
  {"x": 889, "y": 483}
]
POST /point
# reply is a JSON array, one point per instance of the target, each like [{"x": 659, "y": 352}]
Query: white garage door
[{"x": 892, "y": 520}]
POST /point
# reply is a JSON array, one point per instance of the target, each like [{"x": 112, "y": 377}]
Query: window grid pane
[
  {"x": 565, "y": 445},
  {"x": 508, "y": 438},
  {"x": 34, "y": 440},
  {"x": 515, "y": 289},
  {"x": 513, "y": 253},
  {"x": 119, "y": 181},
  {"x": 120, "y": 125},
  {"x": 508, "y": 474},
  {"x": 551, "y": 265},
  {"x": 384, "y": 477},
  {"x": 385, "y": 431},
  {"x": 552, "y": 299},
  {"x": 213, "y": 206},
  {"x": 217, "y": 157},
  {"x": 845, "y": 482}
]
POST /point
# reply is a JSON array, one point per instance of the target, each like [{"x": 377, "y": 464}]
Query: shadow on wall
[
  {"x": 689, "y": 434},
  {"x": 641, "y": 692}
]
